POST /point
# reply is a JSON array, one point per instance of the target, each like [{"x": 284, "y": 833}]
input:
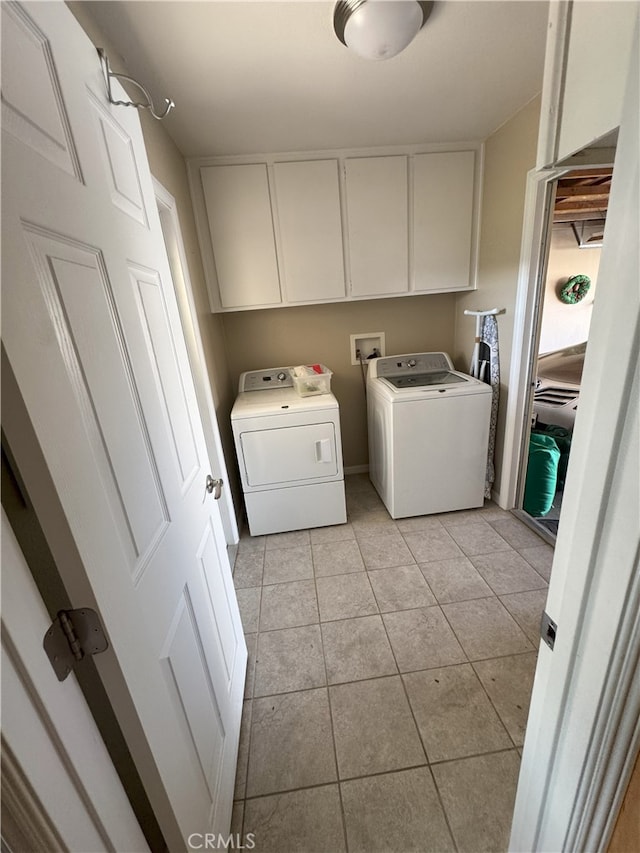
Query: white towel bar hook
[
  {"x": 477, "y": 367},
  {"x": 487, "y": 313},
  {"x": 108, "y": 74}
]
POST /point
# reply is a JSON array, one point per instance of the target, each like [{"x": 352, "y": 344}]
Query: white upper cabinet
[
  {"x": 238, "y": 209},
  {"x": 307, "y": 201},
  {"x": 443, "y": 191},
  {"x": 377, "y": 225},
  {"x": 300, "y": 228}
]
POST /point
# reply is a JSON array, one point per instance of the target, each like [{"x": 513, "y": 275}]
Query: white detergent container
[
  {"x": 428, "y": 434},
  {"x": 289, "y": 451}
]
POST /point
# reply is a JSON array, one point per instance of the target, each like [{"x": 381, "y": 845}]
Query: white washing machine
[
  {"x": 428, "y": 434},
  {"x": 289, "y": 451}
]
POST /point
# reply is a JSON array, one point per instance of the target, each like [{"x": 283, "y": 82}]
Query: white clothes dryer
[
  {"x": 428, "y": 434},
  {"x": 289, "y": 451}
]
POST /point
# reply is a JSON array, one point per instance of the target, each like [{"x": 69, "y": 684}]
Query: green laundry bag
[
  {"x": 563, "y": 440},
  {"x": 542, "y": 474}
]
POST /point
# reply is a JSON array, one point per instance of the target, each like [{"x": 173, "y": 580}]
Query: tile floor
[{"x": 390, "y": 668}]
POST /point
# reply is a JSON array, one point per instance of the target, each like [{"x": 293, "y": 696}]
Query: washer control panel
[
  {"x": 263, "y": 380},
  {"x": 419, "y": 362}
]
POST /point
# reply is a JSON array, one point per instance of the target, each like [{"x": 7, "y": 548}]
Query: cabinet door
[
  {"x": 308, "y": 205},
  {"x": 591, "y": 104},
  {"x": 443, "y": 186},
  {"x": 377, "y": 221},
  {"x": 241, "y": 227}
]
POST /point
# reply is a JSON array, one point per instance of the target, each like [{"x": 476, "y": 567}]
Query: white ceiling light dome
[{"x": 379, "y": 29}]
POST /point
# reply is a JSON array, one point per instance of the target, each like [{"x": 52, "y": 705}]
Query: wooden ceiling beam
[
  {"x": 587, "y": 173},
  {"x": 578, "y": 216},
  {"x": 586, "y": 182},
  {"x": 582, "y": 192},
  {"x": 598, "y": 208},
  {"x": 580, "y": 202},
  {"x": 577, "y": 211}
]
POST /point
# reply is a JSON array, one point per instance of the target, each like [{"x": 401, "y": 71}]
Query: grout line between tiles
[
  {"x": 250, "y": 728},
  {"x": 244, "y": 812},
  {"x": 537, "y": 571},
  {"x": 474, "y": 755},
  {"x": 490, "y": 657},
  {"x": 293, "y": 790},
  {"x": 530, "y": 651},
  {"x": 516, "y": 745},
  {"x": 253, "y": 689},
  {"x": 444, "y": 811},
  {"x": 495, "y": 708},
  {"x": 383, "y": 773},
  {"x": 333, "y": 733},
  {"x": 404, "y": 688}
]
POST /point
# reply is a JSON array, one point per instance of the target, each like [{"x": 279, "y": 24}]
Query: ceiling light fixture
[{"x": 379, "y": 29}]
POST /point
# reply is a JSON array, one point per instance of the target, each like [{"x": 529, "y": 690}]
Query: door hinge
[
  {"x": 548, "y": 630},
  {"x": 73, "y": 635}
]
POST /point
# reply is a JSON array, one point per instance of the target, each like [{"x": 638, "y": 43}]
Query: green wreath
[{"x": 575, "y": 289}]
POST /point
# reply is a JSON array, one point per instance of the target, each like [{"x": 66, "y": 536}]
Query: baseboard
[
  {"x": 495, "y": 497},
  {"x": 356, "y": 469},
  {"x": 232, "y": 552}
]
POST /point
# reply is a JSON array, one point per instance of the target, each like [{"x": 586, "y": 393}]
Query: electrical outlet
[{"x": 367, "y": 343}]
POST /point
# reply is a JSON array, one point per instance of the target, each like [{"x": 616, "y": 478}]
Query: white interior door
[
  {"x": 582, "y": 733},
  {"x": 73, "y": 799},
  {"x": 92, "y": 333}
]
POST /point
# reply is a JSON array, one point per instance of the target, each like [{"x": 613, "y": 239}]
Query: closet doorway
[{"x": 566, "y": 290}]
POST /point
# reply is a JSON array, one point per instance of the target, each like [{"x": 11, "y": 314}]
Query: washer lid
[
  {"x": 449, "y": 384},
  {"x": 419, "y": 380},
  {"x": 410, "y": 364}
]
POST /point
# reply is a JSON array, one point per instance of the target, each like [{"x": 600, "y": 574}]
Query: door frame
[
  {"x": 534, "y": 255},
  {"x": 170, "y": 223},
  {"x": 534, "y": 252}
]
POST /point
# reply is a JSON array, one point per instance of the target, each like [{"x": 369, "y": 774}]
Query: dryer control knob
[
  {"x": 282, "y": 377},
  {"x": 411, "y": 362}
]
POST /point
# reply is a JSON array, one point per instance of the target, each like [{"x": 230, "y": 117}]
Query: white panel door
[
  {"x": 310, "y": 224},
  {"x": 443, "y": 185},
  {"x": 238, "y": 207},
  {"x": 50, "y": 738},
  {"x": 92, "y": 333},
  {"x": 377, "y": 218},
  {"x": 582, "y": 730}
]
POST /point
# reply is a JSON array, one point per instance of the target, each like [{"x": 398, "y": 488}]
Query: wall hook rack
[{"x": 108, "y": 74}]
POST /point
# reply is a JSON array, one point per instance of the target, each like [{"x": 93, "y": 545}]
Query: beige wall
[
  {"x": 269, "y": 338},
  {"x": 626, "y": 835},
  {"x": 169, "y": 167},
  {"x": 509, "y": 154},
  {"x": 566, "y": 325},
  {"x": 320, "y": 333}
]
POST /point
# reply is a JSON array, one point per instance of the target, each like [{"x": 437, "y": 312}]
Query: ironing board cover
[{"x": 489, "y": 357}]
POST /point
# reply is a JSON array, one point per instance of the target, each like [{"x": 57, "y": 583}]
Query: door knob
[{"x": 213, "y": 487}]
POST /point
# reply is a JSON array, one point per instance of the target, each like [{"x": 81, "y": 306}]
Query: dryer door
[{"x": 276, "y": 457}]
